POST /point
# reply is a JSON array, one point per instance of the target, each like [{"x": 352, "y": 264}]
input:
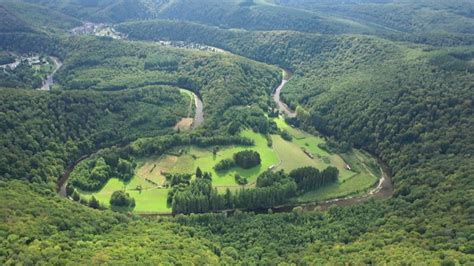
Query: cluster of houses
[
  {"x": 98, "y": 29},
  {"x": 188, "y": 45},
  {"x": 32, "y": 60},
  {"x": 87, "y": 28}
]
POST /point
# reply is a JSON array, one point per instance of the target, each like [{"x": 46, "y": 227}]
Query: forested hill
[
  {"x": 253, "y": 15},
  {"x": 430, "y": 21},
  {"x": 390, "y": 98},
  {"x": 221, "y": 79},
  {"x": 393, "y": 77},
  {"x": 45, "y": 133},
  {"x": 287, "y": 49}
]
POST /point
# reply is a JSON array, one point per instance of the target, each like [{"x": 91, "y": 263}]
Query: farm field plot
[
  {"x": 365, "y": 174},
  {"x": 193, "y": 157},
  {"x": 150, "y": 199},
  {"x": 288, "y": 151},
  {"x": 301, "y": 151}
]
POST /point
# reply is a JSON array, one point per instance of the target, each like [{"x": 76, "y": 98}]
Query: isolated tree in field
[
  {"x": 198, "y": 172},
  {"x": 240, "y": 180},
  {"x": 94, "y": 203},
  {"x": 286, "y": 135}
]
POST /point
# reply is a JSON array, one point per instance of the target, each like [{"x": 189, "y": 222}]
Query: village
[
  {"x": 31, "y": 59},
  {"x": 190, "y": 45},
  {"x": 97, "y": 29}
]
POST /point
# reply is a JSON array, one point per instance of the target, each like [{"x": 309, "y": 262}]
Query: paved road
[
  {"x": 199, "y": 112},
  {"x": 48, "y": 82},
  {"x": 276, "y": 97}
]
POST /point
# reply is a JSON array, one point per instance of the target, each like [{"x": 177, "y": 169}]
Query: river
[{"x": 384, "y": 188}]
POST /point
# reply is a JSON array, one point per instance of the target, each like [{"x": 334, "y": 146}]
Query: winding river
[
  {"x": 197, "y": 121},
  {"x": 383, "y": 189}
]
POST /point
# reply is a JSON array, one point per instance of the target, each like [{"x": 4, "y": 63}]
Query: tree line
[{"x": 272, "y": 188}]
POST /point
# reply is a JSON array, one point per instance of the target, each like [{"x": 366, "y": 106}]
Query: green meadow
[{"x": 283, "y": 155}]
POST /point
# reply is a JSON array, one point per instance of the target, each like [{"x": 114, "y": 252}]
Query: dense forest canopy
[
  {"x": 44, "y": 133},
  {"x": 393, "y": 77}
]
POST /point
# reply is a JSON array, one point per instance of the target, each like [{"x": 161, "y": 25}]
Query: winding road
[
  {"x": 48, "y": 82},
  {"x": 199, "y": 112},
  {"x": 276, "y": 97}
]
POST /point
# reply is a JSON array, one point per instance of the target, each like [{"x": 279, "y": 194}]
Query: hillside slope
[{"x": 410, "y": 103}]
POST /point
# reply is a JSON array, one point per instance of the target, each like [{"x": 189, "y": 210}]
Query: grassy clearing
[
  {"x": 286, "y": 155},
  {"x": 150, "y": 199},
  {"x": 186, "y": 122},
  {"x": 194, "y": 157},
  {"x": 292, "y": 155},
  {"x": 365, "y": 173}
]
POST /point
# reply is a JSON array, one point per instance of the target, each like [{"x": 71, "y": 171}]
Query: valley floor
[{"x": 301, "y": 151}]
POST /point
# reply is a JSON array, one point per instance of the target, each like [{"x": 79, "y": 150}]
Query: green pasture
[
  {"x": 193, "y": 157},
  {"x": 150, "y": 199},
  {"x": 285, "y": 155},
  {"x": 365, "y": 174}
]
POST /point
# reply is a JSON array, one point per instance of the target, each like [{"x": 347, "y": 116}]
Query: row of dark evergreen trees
[
  {"x": 310, "y": 178},
  {"x": 272, "y": 188}
]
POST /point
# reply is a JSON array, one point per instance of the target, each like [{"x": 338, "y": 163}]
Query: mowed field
[
  {"x": 192, "y": 157},
  {"x": 283, "y": 155},
  {"x": 151, "y": 199}
]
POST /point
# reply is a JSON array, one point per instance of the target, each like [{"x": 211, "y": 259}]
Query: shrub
[
  {"x": 240, "y": 180},
  {"x": 286, "y": 136}
]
